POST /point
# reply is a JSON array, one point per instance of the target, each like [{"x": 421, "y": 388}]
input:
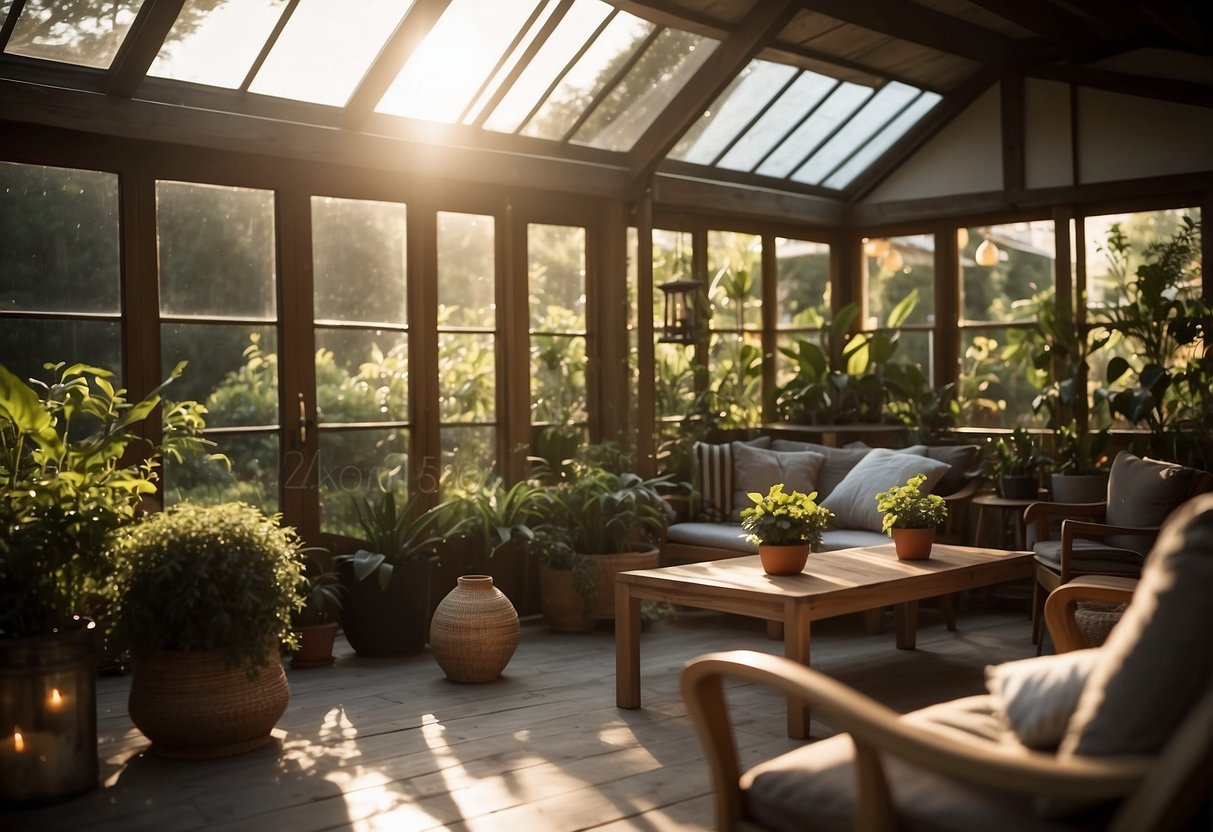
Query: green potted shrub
[
  {"x": 784, "y": 527},
  {"x": 910, "y": 517},
  {"x": 612, "y": 519},
  {"x": 69, "y": 477},
  {"x": 1081, "y": 474},
  {"x": 388, "y": 581},
  {"x": 1013, "y": 463},
  {"x": 202, "y": 596},
  {"x": 315, "y": 622}
]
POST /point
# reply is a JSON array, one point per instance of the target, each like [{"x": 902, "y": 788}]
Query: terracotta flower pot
[
  {"x": 913, "y": 544},
  {"x": 783, "y": 560},
  {"x": 315, "y": 645}
]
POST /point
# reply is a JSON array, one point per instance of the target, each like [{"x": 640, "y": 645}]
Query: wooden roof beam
[
  {"x": 142, "y": 45},
  {"x": 1051, "y": 22},
  {"x": 1192, "y": 93},
  {"x": 758, "y": 29}
]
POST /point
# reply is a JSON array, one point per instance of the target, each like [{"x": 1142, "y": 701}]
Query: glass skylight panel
[
  {"x": 804, "y": 94},
  {"x": 879, "y": 110},
  {"x": 81, "y": 32},
  {"x": 732, "y": 110},
  {"x": 216, "y": 44},
  {"x": 326, "y": 48},
  {"x": 621, "y": 37},
  {"x": 507, "y": 67},
  {"x": 568, "y": 37},
  {"x": 451, "y": 64},
  {"x": 623, "y": 116},
  {"x": 845, "y": 100},
  {"x": 882, "y": 141}
]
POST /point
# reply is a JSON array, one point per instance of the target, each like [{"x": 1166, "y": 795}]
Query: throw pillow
[
  {"x": 1158, "y": 660},
  {"x": 962, "y": 458},
  {"x": 854, "y": 500},
  {"x": 714, "y": 479},
  {"x": 838, "y": 462},
  {"x": 1141, "y": 493},
  {"x": 1036, "y": 697},
  {"x": 757, "y": 469}
]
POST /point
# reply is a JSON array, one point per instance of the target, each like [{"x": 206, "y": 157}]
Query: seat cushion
[
  {"x": 1090, "y": 557},
  {"x": 1036, "y": 697},
  {"x": 1159, "y": 659},
  {"x": 813, "y": 787},
  {"x": 854, "y": 500},
  {"x": 1142, "y": 493},
  {"x": 711, "y": 535},
  {"x": 755, "y": 470}
]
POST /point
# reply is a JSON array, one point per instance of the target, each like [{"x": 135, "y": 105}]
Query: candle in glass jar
[{"x": 55, "y": 701}]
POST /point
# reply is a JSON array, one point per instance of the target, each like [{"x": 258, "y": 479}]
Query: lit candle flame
[
  {"x": 56, "y": 698},
  {"x": 18, "y": 742}
]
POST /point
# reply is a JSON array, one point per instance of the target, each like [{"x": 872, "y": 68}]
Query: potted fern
[
  {"x": 784, "y": 527},
  {"x": 911, "y": 517}
]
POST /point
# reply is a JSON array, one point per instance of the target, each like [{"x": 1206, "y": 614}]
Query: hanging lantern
[
  {"x": 987, "y": 253},
  {"x": 681, "y": 311}
]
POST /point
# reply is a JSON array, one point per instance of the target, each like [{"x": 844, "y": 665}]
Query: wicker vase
[
  {"x": 192, "y": 706},
  {"x": 474, "y": 631}
]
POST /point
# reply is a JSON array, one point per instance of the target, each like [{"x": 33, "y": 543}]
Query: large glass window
[
  {"x": 735, "y": 327},
  {"x": 803, "y": 297},
  {"x": 362, "y": 381},
  {"x": 218, "y": 311},
  {"x": 59, "y": 269},
  {"x": 677, "y": 389},
  {"x": 80, "y": 32},
  {"x": 895, "y": 270},
  {"x": 467, "y": 347},
  {"x": 216, "y": 44}
]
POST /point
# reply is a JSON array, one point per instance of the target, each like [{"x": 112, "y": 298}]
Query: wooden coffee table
[{"x": 833, "y": 583}]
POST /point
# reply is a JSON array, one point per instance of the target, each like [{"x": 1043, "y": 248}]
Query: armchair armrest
[
  {"x": 1071, "y": 529},
  {"x": 1063, "y": 601},
  {"x": 874, "y": 727},
  {"x": 1041, "y": 514}
]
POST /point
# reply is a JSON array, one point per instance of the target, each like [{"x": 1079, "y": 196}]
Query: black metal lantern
[{"x": 681, "y": 311}]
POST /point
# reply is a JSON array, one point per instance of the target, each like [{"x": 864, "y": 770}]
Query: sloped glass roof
[{"x": 579, "y": 72}]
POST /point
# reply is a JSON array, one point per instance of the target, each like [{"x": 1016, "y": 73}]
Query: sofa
[{"x": 845, "y": 479}]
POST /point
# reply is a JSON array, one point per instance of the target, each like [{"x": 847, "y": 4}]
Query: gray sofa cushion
[
  {"x": 1090, "y": 557},
  {"x": 813, "y": 787},
  {"x": 712, "y": 536},
  {"x": 838, "y": 462},
  {"x": 853, "y": 501},
  {"x": 757, "y": 469},
  {"x": 962, "y": 458},
  {"x": 714, "y": 478},
  {"x": 1141, "y": 493}
]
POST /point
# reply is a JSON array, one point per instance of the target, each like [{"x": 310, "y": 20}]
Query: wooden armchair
[{"x": 1121, "y": 766}]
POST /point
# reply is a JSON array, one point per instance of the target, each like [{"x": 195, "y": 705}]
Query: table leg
[
  {"x": 796, "y": 640},
  {"x": 905, "y": 620},
  {"x": 979, "y": 534},
  {"x": 627, "y": 647}
]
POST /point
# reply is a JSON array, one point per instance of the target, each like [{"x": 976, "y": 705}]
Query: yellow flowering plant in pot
[
  {"x": 784, "y": 527},
  {"x": 910, "y": 517}
]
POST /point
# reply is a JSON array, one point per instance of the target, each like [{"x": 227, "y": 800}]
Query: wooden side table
[{"x": 988, "y": 504}]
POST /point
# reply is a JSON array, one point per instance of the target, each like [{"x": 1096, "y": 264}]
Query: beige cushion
[
  {"x": 757, "y": 469},
  {"x": 854, "y": 500},
  {"x": 1141, "y": 493},
  {"x": 838, "y": 461},
  {"x": 1036, "y": 697},
  {"x": 1159, "y": 659}
]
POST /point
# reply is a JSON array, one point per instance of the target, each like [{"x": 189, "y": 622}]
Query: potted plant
[
  {"x": 910, "y": 517},
  {"x": 202, "y": 596},
  {"x": 1080, "y": 475},
  {"x": 69, "y": 476},
  {"x": 613, "y": 520},
  {"x": 388, "y": 582},
  {"x": 315, "y": 622},
  {"x": 784, "y": 527},
  {"x": 1013, "y": 463}
]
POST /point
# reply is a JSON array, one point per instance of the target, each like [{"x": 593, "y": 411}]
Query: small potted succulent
[
  {"x": 784, "y": 527},
  {"x": 316, "y": 621},
  {"x": 910, "y": 517}
]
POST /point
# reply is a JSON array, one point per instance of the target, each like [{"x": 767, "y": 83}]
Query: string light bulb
[{"x": 987, "y": 253}]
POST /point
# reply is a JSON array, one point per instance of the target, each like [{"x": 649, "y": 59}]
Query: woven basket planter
[
  {"x": 606, "y": 567},
  {"x": 564, "y": 609},
  {"x": 474, "y": 631},
  {"x": 1095, "y": 621},
  {"x": 192, "y": 706}
]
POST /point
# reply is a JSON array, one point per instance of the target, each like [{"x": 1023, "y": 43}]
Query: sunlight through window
[
  {"x": 73, "y": 31},
  {"x": 216, "y": 45}
]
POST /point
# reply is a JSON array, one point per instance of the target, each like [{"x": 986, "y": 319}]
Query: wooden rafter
[
  {"x": 142, "y": 45},
  {"x": 1192, "y": 93},
  {"x": 730, "y": 58},
  {"x": 1054, "y": 23},
  {"x": 392, "y": 57}
]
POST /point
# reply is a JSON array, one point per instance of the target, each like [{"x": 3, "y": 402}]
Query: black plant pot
[
  {"x": 1019, "y": 487},
  {"x": 389, "y": 622}
]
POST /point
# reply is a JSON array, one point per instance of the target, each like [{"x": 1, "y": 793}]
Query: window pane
[
  {"x": 671, "y": 261},
  {"x": 356, "y": 464},
  {"x": 570, "y": 35},
  {"x": 874, "y": 149},
  {"x": 1106, "y": 277},
  {"x": 878, "y": 112},
  {"x": 216, "y": 249},
  {"x": 895, "y": 267},
  {"x": 216, "y": 44},
  {"x": 440, "y": 78},
  {"x": 997, "y": 379},
  {"x": 612, "y": 48},
  {"x": 467, "y": 377},
  {"x": 735, "y": 290},
  {"x": 253, "y": 477},
  {"x": 233, "y": 369},
  {"x": 736, "y": 379},
  {"x": 323, "y": 51},
  {"x": 60, "y": 251},
  {"x": 644, "y": 92},
  {"x": 28, "y": 343},
  {"x": 803, "y": 282},
  {"x": 843, "y": 101},
  {"x": 558, "y": 379},
  {"x": 467, "y": 455},
  {"x": 675, "y": 380},
  {"x": 556, "y": 277},
  {"x": 358, "y": 260},
  {"x": 361, "y": 376},
  {"x": 732, "y": 110},
  {"x": 798, "y": 99},
  {"x": 80, "y": 32},
  {"x": 466, "y": 270},
  {"x": 1021, "y": 279}
]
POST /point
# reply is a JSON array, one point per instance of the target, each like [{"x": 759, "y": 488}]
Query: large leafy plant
[
  {"x": 906, "y": 507},
  {"x": 603, "y": 512},
  {"x": 396, "y": 533},
  {"x": 779, "y": 519},
  {"x": 73, "y": 469},
  {"x": 494, "y": 516}
]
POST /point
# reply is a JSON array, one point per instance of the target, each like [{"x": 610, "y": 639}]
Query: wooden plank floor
[{"x": 391, "y": 745}]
